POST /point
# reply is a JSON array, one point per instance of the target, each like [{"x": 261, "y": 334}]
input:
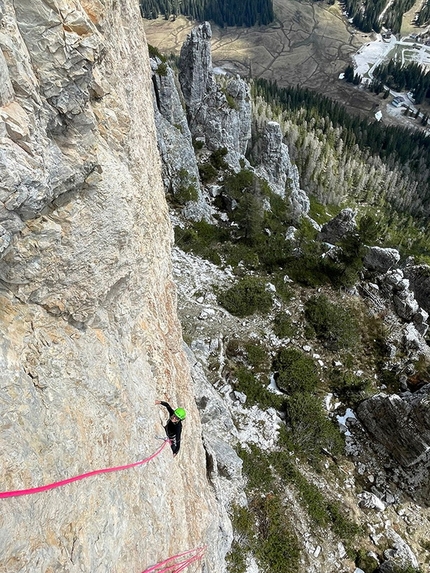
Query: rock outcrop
[
  {"x": 271, "y": 159},
  {"x": 419, "y": 279},
  {"x": 400, "y": 424},
  {"x": 89, "y": 332},
  {"x": 338, "y": 227},
  {"x": 381, "y": 260},
  {"x": 179, "y": 165},
  {"x": 221, "y": 117}
]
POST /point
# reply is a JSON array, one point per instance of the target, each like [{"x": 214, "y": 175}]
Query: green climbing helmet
[{"x": 180, "y": 413}]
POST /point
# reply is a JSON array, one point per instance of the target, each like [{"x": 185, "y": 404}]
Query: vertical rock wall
[{"x": 88, "y": 325}]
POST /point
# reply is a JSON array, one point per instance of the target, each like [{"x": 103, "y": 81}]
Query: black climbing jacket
[{"x": 173, "y": 430}]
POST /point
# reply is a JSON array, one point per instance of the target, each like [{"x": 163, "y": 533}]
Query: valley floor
[{"x": 309, "y": 44}]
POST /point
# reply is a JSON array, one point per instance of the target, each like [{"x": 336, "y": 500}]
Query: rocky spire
[
  {"x": 195, "y": 65},
  {"x": 221, "y": 116}
]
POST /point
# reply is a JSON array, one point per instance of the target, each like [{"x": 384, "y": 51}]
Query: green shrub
[
  {"x": 186, "y": 188},
  {"x": 264, "y": 528},
  {"x": 282, "y": 326},
  {"x": 311, "y": 429},
  {"x": 162, "y": 69},
  {"x": 257, "y": 356},
  {"x": 217, "y": 158},
  {"x": 197, "y": 144},
  {"x": 297, "y": 372},
  {"x": 283, "y": 289},
  {"x": 207, "y": 172},
  {"x": 235, "y": 183},
  {"x": 274, "y": 250},
  {"x": 256, "y": 392},
  {"x": 246, "y": 297},
  {"x": 200, "y": 239},
  {"x": 256, "y": 468},
  {"x": 334, "y": 325},
  {"x": 236, "y": 253},
  {"x": 342, "y": 525},
  {"x": 186, "y": 193},
  {"x": 155, "y": 53},
  {"x": 278, "y": 548},
  {"x": 249, "y": 217},
  {"x": 349, "y": 388},
  {"x": 236, "y": 558},
  {"x": 243, "y": 524},
  {"x": 366, "y": 562}
]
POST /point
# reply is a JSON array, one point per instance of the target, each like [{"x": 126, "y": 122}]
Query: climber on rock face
[{"x": 174, "y": 425}]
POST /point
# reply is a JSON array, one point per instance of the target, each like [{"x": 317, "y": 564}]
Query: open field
[{"x": 310, "y": 44}]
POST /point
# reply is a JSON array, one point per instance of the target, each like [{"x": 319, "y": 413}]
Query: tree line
[
  {"x": 344, "y": 157},
  {"x": 222, "y": 12},
  {"x": 366, "y": 16},
  {"x": 411, "y": 77},
  {"x": 424, "y": 14}
]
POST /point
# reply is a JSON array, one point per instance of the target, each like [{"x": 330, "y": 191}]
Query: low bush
[
  {"x": 247, "y": 296},
  {"x": 217, "y": 158},
  {"x": 283, "y": 289},
  {"x": 311, "y": 429},
  {"x": 186, "y": 188},
  {"x": 161, "y": 69},
  {"x": 323, "y": 512},
  {"x": 296, "y": 371},
  {"x": 365, "y": 562},
  {"x": 277, "y": 548},
  {"x": 282, "y": 326},
  {"x": 155, "y": 53},
  {"x": 207, "y": 172},
  {"x": 334, "y": 325},
  {"x": 257, "y": 356},
  {"x": 200, "y": 238},
  {"x": 256, "y": 391},
  {"x": 348, "y": 387},
  {"x": 238, "y": 253},
  {"x": 235, "y": 183}
]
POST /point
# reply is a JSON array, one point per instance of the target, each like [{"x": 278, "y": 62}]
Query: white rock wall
[{"x": 89, "y": 336}]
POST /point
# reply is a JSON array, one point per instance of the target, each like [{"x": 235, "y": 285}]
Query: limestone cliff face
[{"x": 89, "y": 332}]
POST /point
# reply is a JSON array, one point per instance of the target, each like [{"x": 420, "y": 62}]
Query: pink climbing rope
[
  {"x": 79, "y": 477},
  {"x": 178, "y": 562}
]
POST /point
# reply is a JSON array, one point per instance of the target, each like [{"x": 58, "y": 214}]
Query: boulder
[
  {"x": 401, "y": 424},
  {"x": 338, "y": 227},
  {"x": 419, "y": 278},
  {"x": 381, "y": 260}
]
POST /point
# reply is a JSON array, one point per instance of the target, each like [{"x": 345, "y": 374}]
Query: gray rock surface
[
  {"x": 401, "y": 424},
  {"x": 271, "y": 159},
  {"x": 381, "y": 260},
  {"x": 89, "y": 335},
  {"x": 419, "y": 278},
  {"x": 179, "y": 164},
  {"x": 219, "y": 116},
  {"x": 338, "y": 227}
]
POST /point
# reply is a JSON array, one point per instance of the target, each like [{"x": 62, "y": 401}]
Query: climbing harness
[
  {"x": 178, "y": 562},
  {"x": 32, "y": 490}
]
